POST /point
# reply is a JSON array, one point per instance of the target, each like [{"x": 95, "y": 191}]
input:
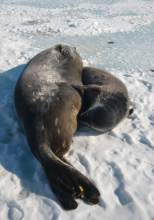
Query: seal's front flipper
[
  {"x": 87, "y": 87},
  {"x": 81, "y": 87}
]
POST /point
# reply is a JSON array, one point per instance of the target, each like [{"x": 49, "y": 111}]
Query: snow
[{"x": 119, "y": 162}]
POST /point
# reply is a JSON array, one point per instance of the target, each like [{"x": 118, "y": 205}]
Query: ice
[{"x": 117, "y": 36}]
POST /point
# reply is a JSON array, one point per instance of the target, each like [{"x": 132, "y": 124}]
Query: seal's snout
[{"x": 66, "y": 51}]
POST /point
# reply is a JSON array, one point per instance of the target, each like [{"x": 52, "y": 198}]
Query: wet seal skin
[
  {"x": 47, "y": 106},
  {"x": 106, "y": 100}
]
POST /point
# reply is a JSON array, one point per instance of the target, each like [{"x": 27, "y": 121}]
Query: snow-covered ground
[{"x": 120, "y": 162}]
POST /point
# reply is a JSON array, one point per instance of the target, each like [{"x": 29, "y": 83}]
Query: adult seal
[
  {"x": 106, "y": 99},
  {"x": 47, "y": 107}
]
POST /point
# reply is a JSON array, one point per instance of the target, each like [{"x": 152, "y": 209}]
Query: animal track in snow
[
  {"x": 152, "y": 123},
  {"x": 128, "y": 138},
  {"x": 144, "y": 140},
  {"x": 15, "y": 212},
  {"x": 115, "y": 152},
  {"x": 151, "y": 119},
  {"x": 120, "y": 192},
  {"x": 84, "y": 162},
  {"x": 147, "y": 84}
]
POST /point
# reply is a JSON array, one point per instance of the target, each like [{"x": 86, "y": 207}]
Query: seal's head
[
  {"x": 96, "y": 118},
  {"x": 66, "y": 60},
  {"x": 68, "y": 54},
  {"x": 66, "y": 51}
]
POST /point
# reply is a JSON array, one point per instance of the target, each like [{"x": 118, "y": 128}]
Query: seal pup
[
  {"x": 47, "y": 107},
  {"x": 106, "y": 99}
]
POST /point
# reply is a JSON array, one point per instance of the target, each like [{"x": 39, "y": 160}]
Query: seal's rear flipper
[
  {"x": 92, "y": 201},
  {"x": 66, "y": 199},
  {"x": 68, "y": 183}
]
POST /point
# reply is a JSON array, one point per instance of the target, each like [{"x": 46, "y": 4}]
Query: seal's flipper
[
  {"x": 81, "y": 87},
  {"x": 87, "y": 188},
  {"x": 88, "y": 87},
  {"x": 91, "y": 201},
  {"x": 66, "y": 199},
  {"x": 66, "y": 161},
  {"x": 61, "y": 181},
  {"x": 68, "y": 183}
]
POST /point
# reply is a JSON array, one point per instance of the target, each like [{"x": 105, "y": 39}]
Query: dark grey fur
[
  {"x": 47, "y": 107},
  {"x": 106, "y": 99}
]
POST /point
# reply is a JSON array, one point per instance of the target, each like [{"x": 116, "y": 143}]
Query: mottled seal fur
[
  {"x": 47, "y": 107},
  {"x": 106, "y": 99}
]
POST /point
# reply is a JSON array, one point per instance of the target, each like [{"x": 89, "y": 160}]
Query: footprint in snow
[
  {"x": 15, "y": 212},
  {"x": 147, "y": 84},
  {"x": 128, "y": 139},
  {"x": 123, "y": 196},
  {"x": 84, "y": 162},
  {"x": 145, "y": 140}
]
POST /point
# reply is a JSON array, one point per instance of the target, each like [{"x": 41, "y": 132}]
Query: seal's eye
[{"x": 75, "y": 48}]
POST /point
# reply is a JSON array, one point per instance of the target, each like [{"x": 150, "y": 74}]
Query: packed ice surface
[{"x": 120, "y": 162}]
